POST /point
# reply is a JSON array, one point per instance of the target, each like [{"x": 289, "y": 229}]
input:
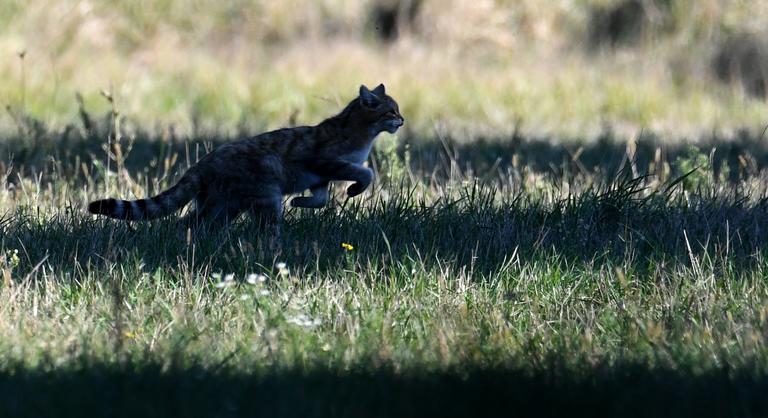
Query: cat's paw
[
  {"x": 356, "y": 188},
  {"x": 300, "y": 202},
  {"x": 307, "y": 202}
]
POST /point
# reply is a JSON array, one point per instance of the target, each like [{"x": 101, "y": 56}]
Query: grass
[
  {"x": 549, "y": 292},
  {"x": 492, "y": 66},
  {"x": 559, "y": 229}
]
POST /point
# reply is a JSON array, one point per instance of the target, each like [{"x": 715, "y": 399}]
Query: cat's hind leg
[
  {"x": 211, "y": 214},
  {"x": 267, "y": 213}
]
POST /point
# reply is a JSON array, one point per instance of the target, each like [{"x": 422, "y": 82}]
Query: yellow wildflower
[{"x": 347, "y": 246}]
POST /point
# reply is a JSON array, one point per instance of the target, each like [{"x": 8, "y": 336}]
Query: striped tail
[{"x": 154, "y": 207}]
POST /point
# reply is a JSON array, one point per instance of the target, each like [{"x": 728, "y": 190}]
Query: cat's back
[
  {"x": 273, "y": 143},
  {"x": 283, "y": 142}
]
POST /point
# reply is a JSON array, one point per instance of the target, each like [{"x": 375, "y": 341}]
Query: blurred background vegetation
[{"x": 460, "y": 68}]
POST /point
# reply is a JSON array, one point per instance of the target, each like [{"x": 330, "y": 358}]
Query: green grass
[
  {"x": 492, "y": 67},
  {"x": 558, "y": 229},
  {"x": 575, "y": 288}
]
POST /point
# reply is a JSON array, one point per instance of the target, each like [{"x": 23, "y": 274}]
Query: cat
[{"x": 252, "y": 175}]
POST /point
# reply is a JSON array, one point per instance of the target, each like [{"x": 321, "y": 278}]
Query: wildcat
[{"x": 253, "y": 174}]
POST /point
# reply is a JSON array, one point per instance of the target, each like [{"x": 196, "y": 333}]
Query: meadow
[{"x": 556, "y": 231}]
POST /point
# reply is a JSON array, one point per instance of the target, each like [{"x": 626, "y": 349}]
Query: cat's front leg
[
  {"x": 363, "y": 180},
  {"x": 318, "y": 199},
  {"x": 345, "y": 171}
]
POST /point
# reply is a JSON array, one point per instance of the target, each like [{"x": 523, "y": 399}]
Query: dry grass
[
  {"x": 499, "y": 66},
  {"x": 583, "y": 285},
  {"x": 564, "y": 262}
]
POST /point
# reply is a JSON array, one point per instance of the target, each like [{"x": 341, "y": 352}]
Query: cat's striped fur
[{"x": 253, "y": 174}]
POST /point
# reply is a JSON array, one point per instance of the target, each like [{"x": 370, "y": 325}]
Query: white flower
[
  {"x": 264, "y": 292},
  {"x": 221, "y": 285},
  {"x": 244, "y": 297},
  {"x": 303, "y": 320},
  {"x": 282, "y": 269},
  {"x": 256, "y": 278},
  {"x": 229, "y": 280}
]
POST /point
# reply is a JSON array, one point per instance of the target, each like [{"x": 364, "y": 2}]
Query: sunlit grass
[
  {"x": 578, "y": 276},
  {"x": 165, "y": 66},
  {"x": 422, "y": 273}
]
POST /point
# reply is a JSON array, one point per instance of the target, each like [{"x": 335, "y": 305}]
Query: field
[{"x": 556, "y": 231}]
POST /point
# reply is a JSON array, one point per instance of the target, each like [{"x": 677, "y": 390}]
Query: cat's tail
[{"x": 154, "y": 207}]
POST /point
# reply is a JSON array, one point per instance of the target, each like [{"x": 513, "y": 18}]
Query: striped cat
[{"x": 252, "y": 175}]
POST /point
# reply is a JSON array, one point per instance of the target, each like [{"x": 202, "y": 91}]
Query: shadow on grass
[
  {"x": 147, "y": 391},
  {"x": 610, "y": 222},
  {"x": 735, "y": 157},
  {"x": 35, "y": 149},
  {"x": 610, "y": 225}
]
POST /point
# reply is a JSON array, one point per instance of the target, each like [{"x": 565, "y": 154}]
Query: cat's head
[{"x": 380, "y": 110}]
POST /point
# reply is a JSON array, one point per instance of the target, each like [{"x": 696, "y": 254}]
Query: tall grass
[
  {"x": 470, "y": 68},
  {"x": 447, "y": 283},
  {"x": 560, "y": 227}
]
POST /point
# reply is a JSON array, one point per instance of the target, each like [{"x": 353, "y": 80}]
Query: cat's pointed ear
[
  {"x": 368, "y": 98},
  {"x": 379, "y": 90}
]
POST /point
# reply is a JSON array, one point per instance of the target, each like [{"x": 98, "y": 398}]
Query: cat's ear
[
  {"x": 379, "y": 90},
  {"x": 368, "y": 98}
]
